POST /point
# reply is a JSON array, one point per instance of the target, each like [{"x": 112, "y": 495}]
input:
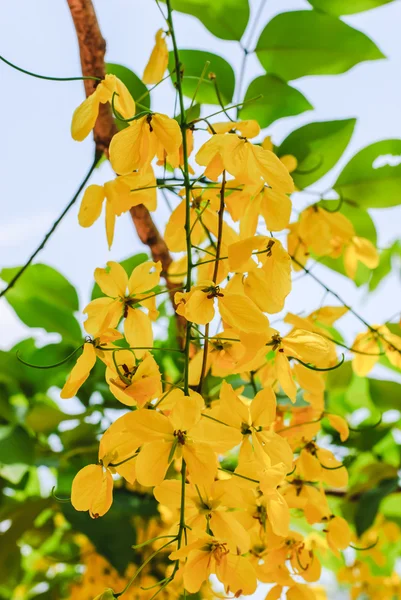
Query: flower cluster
[{"x": 233, "y": 471}]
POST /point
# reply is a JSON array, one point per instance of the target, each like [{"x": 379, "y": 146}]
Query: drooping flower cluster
[{"x": 229, "y": 468}]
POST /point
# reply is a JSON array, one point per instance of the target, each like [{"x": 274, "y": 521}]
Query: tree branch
[{"x": 92, "y": 47}]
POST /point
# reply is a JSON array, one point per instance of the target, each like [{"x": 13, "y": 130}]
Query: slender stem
[
  {"x": 10, "y": 64},
  {"x": 214, "y": 277},
  {"x": 357, "y": 315},
  {"x": 52, "y": 229},
  {"x": 187, "y": 185}
]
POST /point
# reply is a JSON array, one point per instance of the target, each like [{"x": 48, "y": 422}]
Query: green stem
[{"x": 10, "y": 64}]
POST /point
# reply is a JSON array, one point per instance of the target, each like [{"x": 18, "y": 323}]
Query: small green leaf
[
  {"x": 372, "y": 178},
  {"x": 279, "y": 100},
  {"x": 135, "y": 85},
  {"x": 346, "y": 7},
  {"x": 226, "y": 19},
  {"x": 42, "y": 297},
  {"x": 369, "y": 504},
  {"x": 193, "y": 63},
  {"x": 317, "y": 148},
  {"x": 299, "y": 43},
  {"x": 129, "y": 264}
]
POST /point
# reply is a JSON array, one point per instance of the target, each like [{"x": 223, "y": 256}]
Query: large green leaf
[
  {"x": 369, "y": 504},
  {"x": 346, "y": 7},
  {"x": 372, "y": 178},
  {"x": 299, "y": 43},
  {"x": 129, "y": 264},
  {"x": 317, "y": 148},
  {"x": 16, "y": 447},
  {"x": 193, "y": 64},
  {"x": 278, "y": 100},
  {"x": 135, "y": 85},
  {"x": 42, "y": 297},
  {"x": 226, "y": 19},
  {"x": 386, "y": 395}
]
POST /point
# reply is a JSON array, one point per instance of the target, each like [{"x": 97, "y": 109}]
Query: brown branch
[{"x": 92, "y": 47}]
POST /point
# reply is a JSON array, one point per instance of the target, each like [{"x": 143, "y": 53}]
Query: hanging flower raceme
[
  {"x": 121, "y": 195},
  {"x": 124, "y": 297},
  {"x": 92, "y": 349},
  {"x": 84, "y": 117},
  {"x": 158, "y": 60},
  {"x": 136, "y": 146}
]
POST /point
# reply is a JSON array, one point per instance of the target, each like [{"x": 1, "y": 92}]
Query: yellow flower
[
  {"x": 245, "y": 161},
  {"x": 254, "y": 419},
  {"x": 370, "y": 346},
  {"x": 360, "y": 250},
  {"x": 182, "y": 433},
  {"x": 338, "y": 534},
  {"x": 84, "y": 117},
  {"x": 236, "y": 310},
  {"x": 120, "y": 197},
  {"x": 248, "y": 204},
  {"x": 324, "y": 232},
  {"x": 135, "y": 146},
  {"x": 137, "y": 381},
  {"x": 269, "y": 285},
  {"x": 123, "y": 297},
  {"x": 202, "y": 202},
  {"x": 223, "y": 357},
  {"x": 209, "y": 555},
  {"x": 158, "y": 60},
  {"x": 92, "y": 490},
  {"x": 86, "y": 361},
  {"x": 319, "y": 464},
  {"x": 206, "y": 506}
]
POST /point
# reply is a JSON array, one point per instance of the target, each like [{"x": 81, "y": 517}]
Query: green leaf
[
  {"x": 317, "y": 148},
  {"x": 193, "y": 63},
  {"x": 135, "y": 85},
  {"x": 386, "y": 395},
  {"x": 129, "y": 264},
  {"x": 226, "y": 19},
  {"x": 346, "y": 7},
  {"x": 22, "y": 516},
  {"x": 279, "y": 100},
  {"x": 44, "y": 298},
  {"x": 299, "y": 43},
  {"x": 369, "y": 504},
  {"x": 372, "y": 178},
  {"x": 44, "y": 416},
  {"x": 16, "y": 447}
]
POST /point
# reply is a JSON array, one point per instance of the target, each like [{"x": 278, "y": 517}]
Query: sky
[{"x": 42, "y": 166}]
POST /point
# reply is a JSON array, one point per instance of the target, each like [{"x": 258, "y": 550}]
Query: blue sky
[{"x": 42, "y": 166}]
